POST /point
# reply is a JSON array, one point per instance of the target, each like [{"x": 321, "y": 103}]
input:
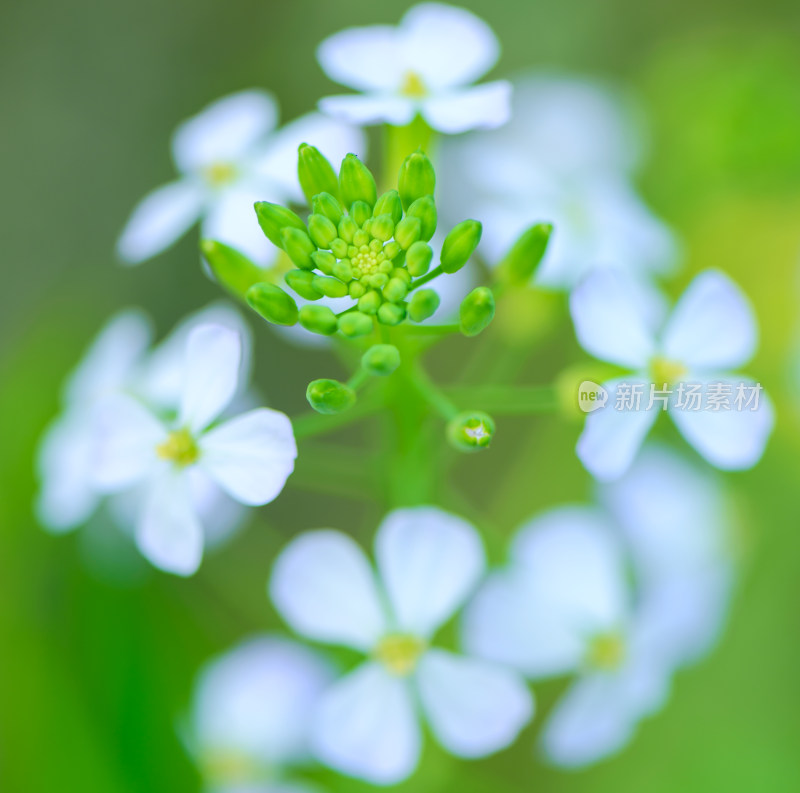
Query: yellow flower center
[
  {"x": 367, "y": 261},
  {"x": 219, "y": 173},
  {"x": 399, "y": 653},
  {"x": 666, "y": 372},
  {"x": 230, "y": 767},
  {"x": 179, "y": 448},
  {"x": 413, "y": 86},
  {"x": 606, "y": 651}
]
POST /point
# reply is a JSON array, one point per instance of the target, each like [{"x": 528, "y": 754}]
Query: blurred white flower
[
  {"x": 564, "y": 605},
  {"x": 367, "y": 724},
  {"x": 249, "y": 456},
  {"x": 251, "y": 713},
  {"x": 566, "y": 157},
  {"x": 710, "y": 331},
  {"x": 229, "y": 156},
  {"x": 424, "y": 66}
]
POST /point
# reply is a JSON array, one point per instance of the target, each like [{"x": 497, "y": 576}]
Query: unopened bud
[
  {"x": 370, "y": 302},
  {"x": 319, "y": 319},
  {"x": 470, "y": 431},
  {"x": 302, "y": 282},
  {"x": 395, "y": 290},
  {"x": 356, "y": 183},
  {"x": 272, "y": 303},
  {"x": 459, "y": 245},
  {"x": 423, "y": 304},
  {"x": 418, "y": 258},
  {"x": 321, "y": 230},
  {"x": 298, "y": 247},
  {"x": 361, "y": 212},
  {"x": 389, "y": 204},
  {"x": 391, "y": 314},
  {"x": 476, "y": 311},
  {"x": 326, "y": 204},
  {"x": 330, "y": 287},
  {"x": 315, "y": 173},
  {"x": 519, "y": 264},
  {"x": 407, "y": 232},
  {"x": 382, "y": 227},
  {"x": 273, "y": 219},
  {"x": 232, "y": 269},
  {"x": 354, "y": 324},
  {"x": 330, "y": 396},
  {"x": 381, "y": 359},
  {"x": 425, "y": 209},
  {"x": 416, "y": 178}
]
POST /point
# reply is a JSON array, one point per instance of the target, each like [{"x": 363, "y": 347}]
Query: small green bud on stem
[
  {"x": 423, "y": 304},
  {"x": 459, "y": 245},
  {"x": 476, "y": 311},
  {"x": 356, "y": 183},
  {"x": 272, "y": 303},
  {"x": 381, "y": 359},
  {"x": 416, "y": 178},
  {"x": 470, "y": 431},
  {"x": 330, "y": 396},
  {"x": 274, "y": 218},
  {"x": 315, "y": 173},
  {"x": 425, "y": 209},
  {"x": 231, "y": 268},
  {"x": 519, "y": 264},
  {"x": 319, "y": 319}
]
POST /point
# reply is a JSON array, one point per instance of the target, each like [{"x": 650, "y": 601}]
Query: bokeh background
[{"x": 97, "y": 650}]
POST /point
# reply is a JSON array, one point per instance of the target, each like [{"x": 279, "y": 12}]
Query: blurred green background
[{"x": 96, "y": 663}]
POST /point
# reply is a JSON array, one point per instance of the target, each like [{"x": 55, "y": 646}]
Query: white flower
[
  {"x": 425, "y": 65},
  {"x": 566, "y": 157},
  {"x": 564, "y": 606},
  {"x": 710, "y": 332},
  {"x": 229, "y": 156},
  {"x": 249, "y": 456},
  {"x": 367, "y": 724},
  {"x": 251, "y": 713}
]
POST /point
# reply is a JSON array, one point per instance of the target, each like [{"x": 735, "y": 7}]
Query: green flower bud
[
  {"x": 232, "y": 269},
  {"x": 382, "y": 227},
  {"x": 323, "y": 261},
  {"x": 319, "y": 319},
  {"x": 343, "y": 271},
  {"x": 521, "y": 261},
  {"x": 379, "y": 280},
  {"x": 423, "y": 304},
  {"x": 407, "y": 232},
  {"x": 459, "y": 245},
  {"x": 315, "y": 173},
  {"x": 330, "y": 287},
  {"x": 326, "y": 204},
  {"x": 356, "y": 183},
  {"x": 389, "y": 204},
  {"x": 330, "y": 396},
  {"x": 370, "y": 302},
  {"x": 470, "y": 431},
  {"x": 302, "y": 281},
  {"x": 360, "y": 238},
  {"x": 416, "y": 178},
  {"x": 418, "y": 258},
  {"x": 339, "y": 248},
  {"x": 299, "y": 247},
  {"x": 381, "y": 359},
  {"x": 361, "y": 212},
  {"x": 354, "y": 324},
  {"x": 391, "y": 313},
  {"x": 476, "y": 311},
  {"x": 356, "y": 289},
  {"x": 396, "y": 290},
  {"x": 391, "y": 249},
  {"x": 274, "y": 218},
  {"x": 272, "y": 303},
  {"x": 321, "y": 230},
  {"x": 425, "y": 209},
  {"x": 347, "y": 228},
  {"x": 400, "y": 272}
]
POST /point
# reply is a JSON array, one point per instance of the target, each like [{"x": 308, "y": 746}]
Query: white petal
[
  {"x": 366, "y": 727},
  {"x": 370, "y": 108},
  {"x": 447, "y": 46},
  {"x": 609, "y": 322},
  {"x": 231, "y": 219},
  {"x": 219, "y": 514},
  {"x": 113, "y": 358},
  {"x": 125, "y": 438},
  {"x": 213, "y": 358},
  {"x": 429, "y": 562},
  {"x": 161, "y": 218},
  {"x": 732, "y": 440},
  {"x": 251, "y": 456},
  {"x": 323, "y": 586},
  {"x": 169, "y": 533},
  {"x": 365, "y": 58},
  {"x": 257, "y": 699},
  {"x": 475, "y": 708},
  {"x": 484, "y": 106},
  {"x": 611, "y": 438},
  {"x": 712, "y": 326},
  {"x": 224, "y": 131}
]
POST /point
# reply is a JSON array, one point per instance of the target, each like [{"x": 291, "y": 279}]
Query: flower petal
[
  {"x": 484, "y": 106},
  {"x": 732, "y": 440},
  {"x": 125, "y": 436},
  {"x": 213, "y": 358},
  {"x": 475, "y": 708},
  {"x": 224, "y": 131},
  {"x": 251, "y": 456},
  {"x": 160, "y": 219},
  {"x": 611, "y": 438},
  {"x": 323, "y": 586},
  {"x": 447, "y": 46},
  {"x": 257, "y": 699},
  {"x": 712, "y": 326},
  {"x": 609, "y": 322},
  {"x": 366, "y": 727},
  {"x": 429, "y": 562},
  {"x": 366, "y": 58},
  {"x": 169, "y": 533},
  {"x": 370, "y": 108}
]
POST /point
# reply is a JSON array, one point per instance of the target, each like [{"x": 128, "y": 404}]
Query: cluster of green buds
[{"x": 374, "y": 249}]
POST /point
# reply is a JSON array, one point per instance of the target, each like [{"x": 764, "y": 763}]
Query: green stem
[
  {"x": 358, "y": 379},
  {"x": 423, "y": 279},
  {"x": 431, "y": 394},
  {"x": 506, "y": 400},
  {"x": 312, "y": 423}
]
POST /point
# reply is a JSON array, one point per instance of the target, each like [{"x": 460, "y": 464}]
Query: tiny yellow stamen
[
  {"x": 179, "y": 448},
  {"x": 399, "y": 653},
  {"x": 230, "y": 767},
  {"x": 220, "y": 173},
  {"x": 413, "y": 86},
  {"x": 666, "y": 372},
  {"x": 606, "y": 651}
]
